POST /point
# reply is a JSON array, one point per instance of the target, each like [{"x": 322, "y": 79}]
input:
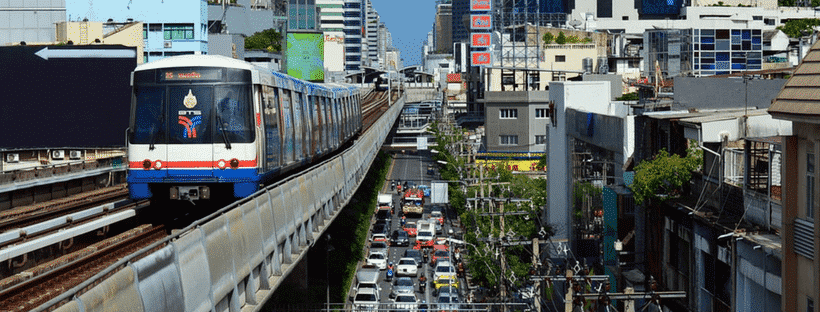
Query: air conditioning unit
[
  {"x": 12, "y": 157},
  {"x": 58, "y": 154},
  {"x": 166, "y": 44},
  {"x": 75, "y": 154}
]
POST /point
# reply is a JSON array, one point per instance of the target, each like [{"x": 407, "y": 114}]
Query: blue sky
[{"x": 408, "y": 21}]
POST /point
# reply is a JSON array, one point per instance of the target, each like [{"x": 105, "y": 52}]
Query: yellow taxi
[{"x": 446, "y": 280}]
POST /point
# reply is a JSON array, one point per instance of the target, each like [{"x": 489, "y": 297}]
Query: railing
[{"x": 235, "y": 258}]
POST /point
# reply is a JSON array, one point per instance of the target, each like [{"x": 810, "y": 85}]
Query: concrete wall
[
  {"x": 222, "y": 44},
  {"x": 590, "y": 96},
  {"x": 79, "y": 32},
  {"x": 30, "y": 21},
  {"x": 751, "y": 277},
  {"x": 703, "y": 93},
  {"x": 615, "y": 82},
  {"x": 525, "y": 126}
]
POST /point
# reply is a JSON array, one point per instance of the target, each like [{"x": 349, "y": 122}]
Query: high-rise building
[
  {"x": 353, "y": 30},
  {"x": 31, "y": 21},
  {"x": 331, "y": 14},
  {"x": 372, "y": 42},
  {"x": 444, "y": 28},
  {"x": 302, "y": 15}
]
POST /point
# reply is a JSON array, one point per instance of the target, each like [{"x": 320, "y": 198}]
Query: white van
[{"x": 426, "y": 231}]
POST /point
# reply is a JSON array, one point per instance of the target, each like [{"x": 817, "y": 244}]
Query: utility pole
[{"x": 535, "y": 262}]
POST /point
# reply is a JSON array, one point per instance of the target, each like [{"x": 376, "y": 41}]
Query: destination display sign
[{"x": 190, "y": 74}]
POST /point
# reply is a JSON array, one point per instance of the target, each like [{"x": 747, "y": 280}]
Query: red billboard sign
[
  {"x": 481, "y": 21},
  {"x": 481, "y": 40},
  {"x": 481, "y": 5},
  {"x": 481, "y": 59}
]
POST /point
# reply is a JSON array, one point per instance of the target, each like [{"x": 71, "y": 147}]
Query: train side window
[
  {"x": 148, "y": 113},
  {"x": 233, "y": 114}
]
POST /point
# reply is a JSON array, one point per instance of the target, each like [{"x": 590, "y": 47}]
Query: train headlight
[
  {"x": 221, "y": 164},
  {"x": 146, "y": 164},
  {"x": 158, "y": 165},
  {"x": 234, "y": 163}
]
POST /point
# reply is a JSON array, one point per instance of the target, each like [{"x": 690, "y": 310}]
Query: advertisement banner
[
  {"x": 306, "y": 53},
  {"x": 481, "y": 5},
  {"x": 512, "y": 165},
  {"x": 481, "y": 59},
  {"x": 481, "y": 21},
  {"x": 480, "y": 40}
]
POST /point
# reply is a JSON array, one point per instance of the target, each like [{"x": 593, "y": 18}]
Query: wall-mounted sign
[
  {"x": 480, "y": 40},
  {"x": 481, "y": 21},
  {"x": 481, "y": 59},
  {"x": 481, "y": 5}
]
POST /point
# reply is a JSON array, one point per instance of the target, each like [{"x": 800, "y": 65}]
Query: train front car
[{"x": 192, "y": 130}]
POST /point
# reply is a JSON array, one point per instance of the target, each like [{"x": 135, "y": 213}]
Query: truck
[
  {"x": 412, "y": 201},
  {"x": 384, "y": 201}
]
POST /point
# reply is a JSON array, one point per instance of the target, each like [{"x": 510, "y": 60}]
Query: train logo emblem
[
  {"x": 190, "y": 100},
  {"x": 190, "y": 126}
]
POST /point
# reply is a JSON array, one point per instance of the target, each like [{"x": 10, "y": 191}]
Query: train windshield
[{"x": 187, "y": 112}]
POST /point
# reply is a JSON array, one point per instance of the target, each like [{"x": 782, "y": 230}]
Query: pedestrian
[
  {"x": 403, "y": 221},
  {"x": 457, "y": 255}
]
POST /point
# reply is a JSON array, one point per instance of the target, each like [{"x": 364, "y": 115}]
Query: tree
[
  {"x": 562, "y": 39},
  {"x": 665, "y": 175},
  {"x": 548, "y": 38},
  {"x": 269, "y": 40},
  {"x": 800, "y": 27}
]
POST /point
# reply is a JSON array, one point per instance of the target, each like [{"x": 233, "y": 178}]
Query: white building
[{"x": 332, "y": 25}]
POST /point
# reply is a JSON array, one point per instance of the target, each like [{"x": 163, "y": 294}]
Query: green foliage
[
  {"x": 665, "y": 175},
  {"x": 792, "y": 3},
  {"x": 628, "y": 97},
  {"x": 548, "y": 38},
  {"x": 562, "y": 39},
  {"x": 796, "y": 28},
  {"x": 269, "y": 40}
]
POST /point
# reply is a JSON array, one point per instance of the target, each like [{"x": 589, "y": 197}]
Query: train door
[
  {"x": 326, "y": 128},
  {"x": 288, "y": 146},
  {"x": 335, "y": 112},
  {"x": 272, "y": 134},
  {"x": 307, "y": 116},
  {"x": 190, "y": 152},
  {"x": 314, "y": 112},
  {"x": 298, "y": 127}
]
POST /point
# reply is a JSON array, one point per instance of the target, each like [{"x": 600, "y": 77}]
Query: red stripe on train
[{"x": 193, "y": 164}]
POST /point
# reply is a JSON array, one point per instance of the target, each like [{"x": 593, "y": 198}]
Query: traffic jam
[{"x": 413, "y": 262}]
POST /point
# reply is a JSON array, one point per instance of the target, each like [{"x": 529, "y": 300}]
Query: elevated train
[{"x": 203, "y": 125}]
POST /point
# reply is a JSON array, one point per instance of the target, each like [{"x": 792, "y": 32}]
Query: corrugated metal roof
[{"x": 801, "y": 94}]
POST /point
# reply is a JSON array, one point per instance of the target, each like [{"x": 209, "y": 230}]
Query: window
[
  {"x": 540, "y": 113},
  {"x": 810, "y": 180},
  {"x": 540, "y": 139},
  {"x": 178, "y": 31},
  {"x": 809, "y": 305},
  {"x": 508, "y": 140},
  {"x": 625, "y": 18},
  {"x": 560, "y": 58},
  {"x": 508, "y": 113},
  {"x": 634, "y": 63},
  {"x": 144, "y": 31}
]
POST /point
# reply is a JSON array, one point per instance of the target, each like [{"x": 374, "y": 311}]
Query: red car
[{"x": 410, "y": 228}]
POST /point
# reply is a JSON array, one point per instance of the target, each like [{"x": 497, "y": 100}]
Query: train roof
[{"x": 196, "y": 60}]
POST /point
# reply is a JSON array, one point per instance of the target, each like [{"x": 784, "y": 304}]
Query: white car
[
  {"x": 407, "y": 302},
  {"x": 407, "y": 267},
  {"x": 377, "y": 259},
  {"x": 444, "y": 268},
  {"x": 366, "y": 299}
]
